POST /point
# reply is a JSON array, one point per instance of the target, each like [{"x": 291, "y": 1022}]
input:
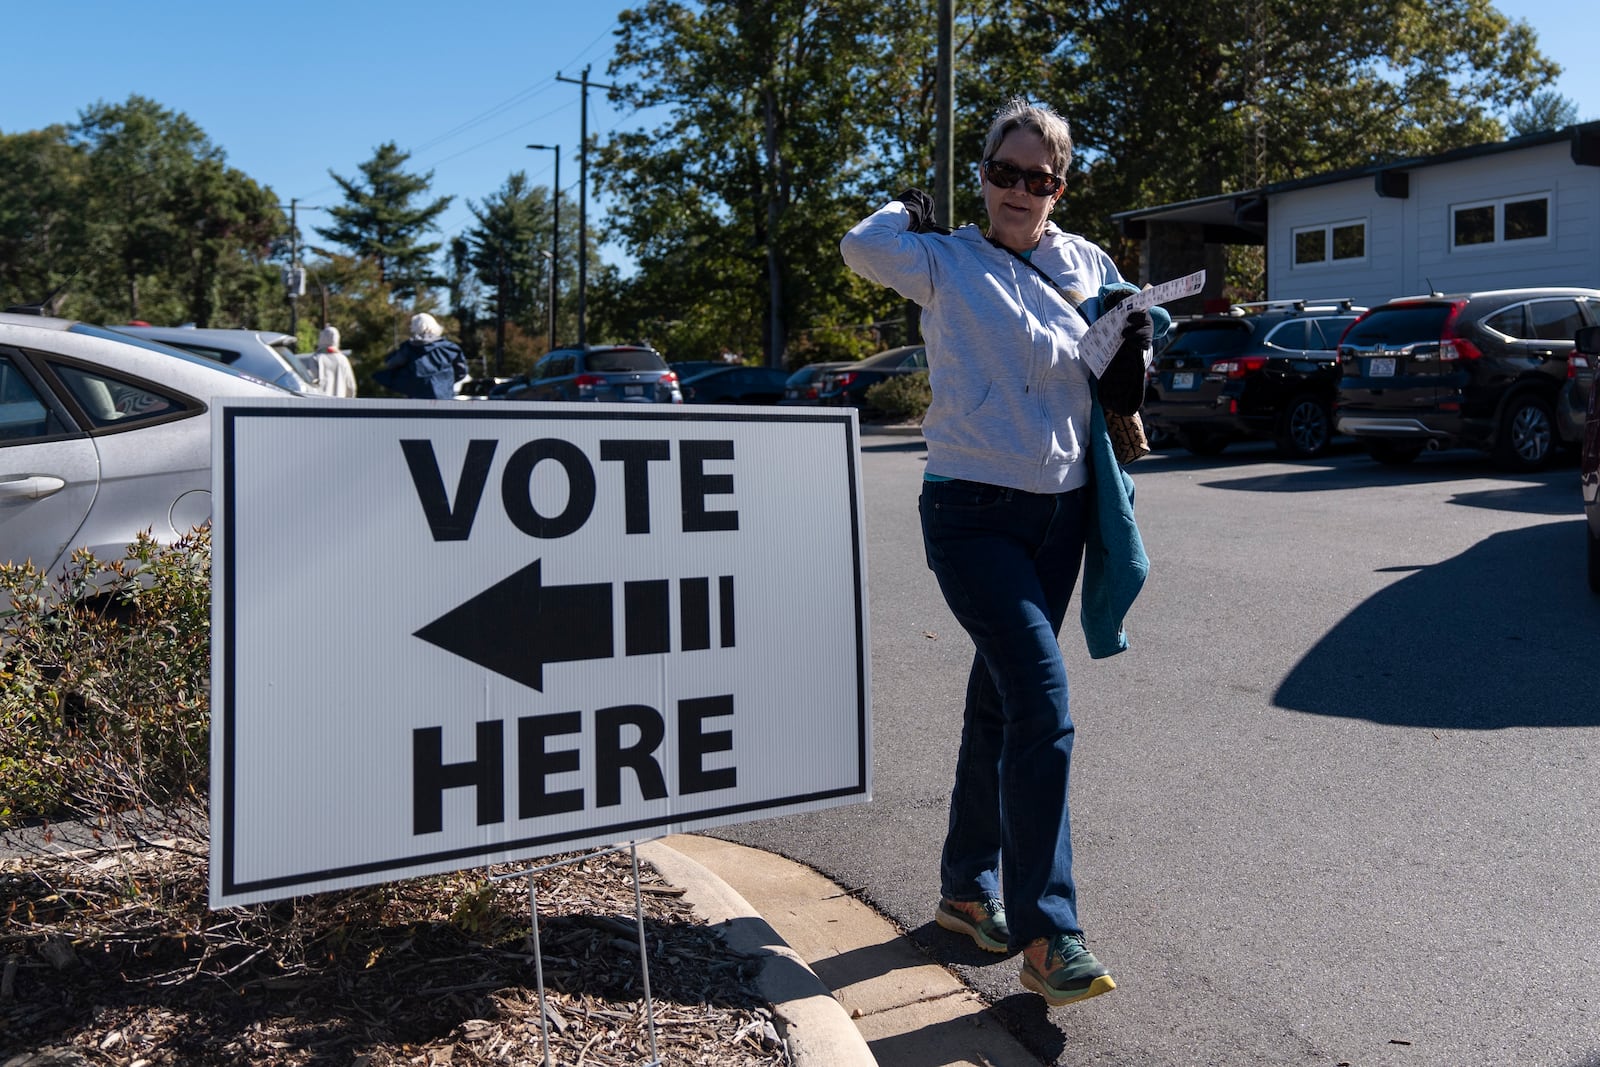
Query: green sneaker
[
  {"x": 1062, "y": 970},
  {"x": 982, "y": 920}
]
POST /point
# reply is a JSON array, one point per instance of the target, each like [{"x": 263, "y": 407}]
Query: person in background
[
  {"x": 335, "y": 376},
  {"x": 425, "y": 366},
  {"x": 1008, "y": 502}
]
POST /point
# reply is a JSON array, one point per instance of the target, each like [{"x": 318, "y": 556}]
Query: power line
[
  {"x": 501, "y": 134},
  {"x": 483, "y": 116}
]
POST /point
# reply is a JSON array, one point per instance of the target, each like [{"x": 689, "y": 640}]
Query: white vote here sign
[{"x": 448, "y": 634}]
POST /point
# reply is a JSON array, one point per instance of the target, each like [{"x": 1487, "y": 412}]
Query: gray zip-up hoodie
[{"x": 1011, "y": 398}]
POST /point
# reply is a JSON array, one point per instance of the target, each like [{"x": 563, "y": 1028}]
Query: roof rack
[{"x": 1340, "y": 303}]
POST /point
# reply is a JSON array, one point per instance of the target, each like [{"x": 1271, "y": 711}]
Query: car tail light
[
  {"x": 1451, "y": 346},
  {"x": 1239, "y": 366},
  {"x": 587, "y": 382},
  {"x": 670, "y": 378},
  {"x": 1576, "y": 362},
  {"x": 842, "y": 380}
]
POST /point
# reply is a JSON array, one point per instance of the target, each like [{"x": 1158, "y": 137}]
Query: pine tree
[{"x": 381, "y": 221}]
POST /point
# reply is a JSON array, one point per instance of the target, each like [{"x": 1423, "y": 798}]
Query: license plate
[
  {"x": 1183, "y": 380},
  {"x": 1381, "y": 367},
  {"x": 633, "y": 390}
]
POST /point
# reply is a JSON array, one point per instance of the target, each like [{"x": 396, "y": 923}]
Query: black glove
[
  {"x": 1122, "y": 384},
  {"x": 919, "y": 205}
]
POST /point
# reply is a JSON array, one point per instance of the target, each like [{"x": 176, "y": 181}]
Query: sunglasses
[{"x": 1038, "y": 182}]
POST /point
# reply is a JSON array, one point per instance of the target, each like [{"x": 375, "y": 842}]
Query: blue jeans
[{"x": 1007, "y": 562}]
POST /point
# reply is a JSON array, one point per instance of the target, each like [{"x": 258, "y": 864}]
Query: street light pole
[{"x": 555, "y": 233}]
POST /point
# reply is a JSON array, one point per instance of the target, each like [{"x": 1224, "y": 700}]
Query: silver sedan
[{"x": 102, "y": 436}]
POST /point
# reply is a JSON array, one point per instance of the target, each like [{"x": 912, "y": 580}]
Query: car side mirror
[{"x": 1587, "y": 341}]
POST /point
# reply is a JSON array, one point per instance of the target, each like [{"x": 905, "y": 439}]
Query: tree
[
  {"x": 507, "y": 249},
  {"x": 1172, "y": 100},
  {"x": 381, "y": 221},
  {"x": 170, "y": 232},
  {"x": 1546, "y": 109},
  {"x": 728, "y": 201},
  {"x": 224, "y": 225},
  {"x": 789, "y": 122},
  {"x": 42, "y": 214}
]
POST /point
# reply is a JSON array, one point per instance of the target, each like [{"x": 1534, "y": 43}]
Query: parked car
[
  {"x": 731, "y": 384},
  {"x": 102, "y": 435},
  {"x": 1573, "y": 402},
  {"x": 1263, "y": 370},
  {"x": 1481, "y": 370},
  {"x": 264, "y": 354},
  {"x": 1587, "y": 341},
  {"x": 474, "y": 388},
  {"x": 848, "y": 385},
  {"x": 802, "y": 386},
  {"x": 628, "y": 374},
  {"x": 687, "y": 368}
]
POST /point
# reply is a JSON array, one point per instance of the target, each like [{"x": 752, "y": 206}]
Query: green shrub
[
  {"x": 104, "y": 683},
  {"x": 902, "y": 398}
]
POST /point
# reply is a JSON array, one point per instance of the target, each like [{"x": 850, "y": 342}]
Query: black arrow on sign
[{"x": 517, "y": 625}]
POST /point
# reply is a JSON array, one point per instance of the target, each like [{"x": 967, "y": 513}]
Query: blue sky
[{"x": 294, "y": 88}]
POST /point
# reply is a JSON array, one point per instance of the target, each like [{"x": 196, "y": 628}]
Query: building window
[
  {"x": 1523, "y": 218},
  {"x": 1527, "y": 219},
  {"x": 1335, "y": 242},
  {"x": 1310, "y": 246}
]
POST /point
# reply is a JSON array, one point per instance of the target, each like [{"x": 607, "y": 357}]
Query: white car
[
  {"x": 102, "y": 435},
  {"x": 263, "y": 354}
]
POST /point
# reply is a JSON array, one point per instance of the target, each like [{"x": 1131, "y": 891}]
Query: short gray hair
[{"x": 1018, "y": 113}]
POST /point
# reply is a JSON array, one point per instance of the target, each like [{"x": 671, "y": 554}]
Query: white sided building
[{"x": 1517, "y": 213}]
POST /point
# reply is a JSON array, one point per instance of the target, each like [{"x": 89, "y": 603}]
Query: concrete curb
[
  {"x": 815, "y": 1025},
  {"x": 910, "y": 1010}
]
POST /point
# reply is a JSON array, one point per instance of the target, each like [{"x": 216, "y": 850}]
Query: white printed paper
[{"x": 1105, "y": 333}]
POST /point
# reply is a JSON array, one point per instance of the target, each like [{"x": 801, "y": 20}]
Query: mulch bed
[{"x": 108, "y": 955}]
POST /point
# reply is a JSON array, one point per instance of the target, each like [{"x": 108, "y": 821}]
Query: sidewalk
[{"x": 847, "y": 989}]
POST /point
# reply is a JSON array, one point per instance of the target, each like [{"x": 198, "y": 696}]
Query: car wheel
[
  {"x": 1305, "y": 428},
  {"x": 1594, "y": 559},
  {"x": 1527, "y": 433},
  {"x": 1394, "y": 453},
  {"x": 1199, "y": 443}
]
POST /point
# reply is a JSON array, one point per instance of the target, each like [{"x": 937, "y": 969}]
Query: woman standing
[
  {"x": 426, "y": 365},
  {"x": 1005, "y": 509}
]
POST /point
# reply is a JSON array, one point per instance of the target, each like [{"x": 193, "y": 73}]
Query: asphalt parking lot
[{"x": 1335, "y": 806}]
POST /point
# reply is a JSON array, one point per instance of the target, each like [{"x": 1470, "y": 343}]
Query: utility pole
[
  {"x": 294, "y": 276},
  {"x": 555, "y": 233},
  {"x": 583, "y": 196},
  {"x": 944, "y": 121},
  {"x": 294, "y": 261}
]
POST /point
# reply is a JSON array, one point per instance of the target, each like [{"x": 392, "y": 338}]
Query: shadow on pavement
[
  {"x": 1547, "y": 492},
  {"x": 1031, "y": 1021},
  {"x": 1493, "y": 638}
]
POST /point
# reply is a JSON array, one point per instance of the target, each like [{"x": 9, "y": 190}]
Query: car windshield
[
  {"x": 893, "y": 358},
  {"x": 166, "y": 350},
  {"x": 1407, "y": 324},
  {"x": 1208, "y": 339},
  {"x": 627, "y": 359}
]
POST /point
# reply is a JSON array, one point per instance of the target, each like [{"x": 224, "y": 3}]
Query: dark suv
[
  {"x": 626, "y": 374},
  {"x": 1263, "y": 370},
  {"x": 1481, "y": 370}
]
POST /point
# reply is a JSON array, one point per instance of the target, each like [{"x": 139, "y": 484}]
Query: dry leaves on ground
[{"x": 109, "y": 956}]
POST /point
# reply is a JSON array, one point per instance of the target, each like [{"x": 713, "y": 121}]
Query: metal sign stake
[{"x": 538, "y": 952}]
